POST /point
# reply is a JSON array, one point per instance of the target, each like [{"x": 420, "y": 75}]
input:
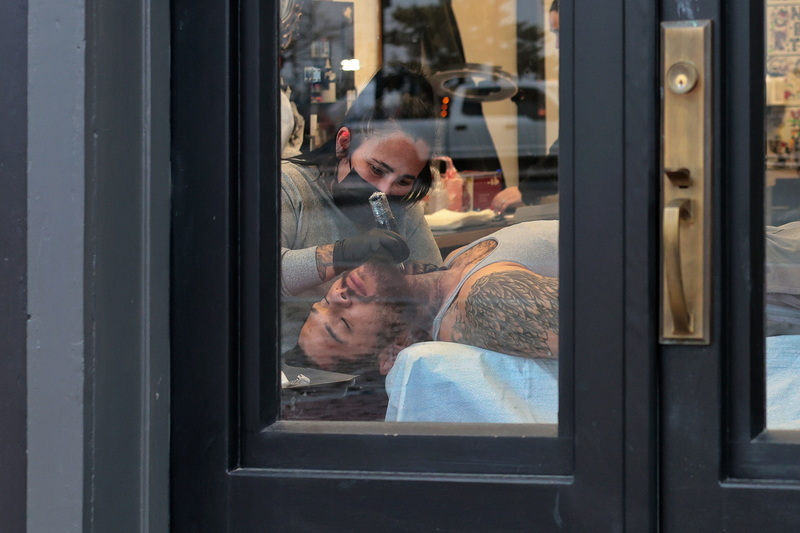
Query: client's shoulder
[
  {"x": 503, "y": 283},
  {"x": 507, "y": 308}
]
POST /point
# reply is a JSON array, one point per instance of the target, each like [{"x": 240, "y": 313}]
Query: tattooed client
[{"x": 498, "y": 293}]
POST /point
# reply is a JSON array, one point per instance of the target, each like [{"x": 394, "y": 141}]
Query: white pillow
[{"x": 449, "y": 382}]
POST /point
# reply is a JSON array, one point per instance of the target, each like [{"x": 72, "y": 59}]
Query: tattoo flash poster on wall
[
  {"x": 783, "y": 38},
  {"x": 782, "y": 78}
]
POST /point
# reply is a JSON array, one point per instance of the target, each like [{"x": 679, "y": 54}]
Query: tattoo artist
[{"x": 384, "y": 144}]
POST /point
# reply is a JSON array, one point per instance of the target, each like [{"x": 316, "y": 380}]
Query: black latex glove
[
  {"x": 349, "y": 253},
  {"x": 419, "y": 267}
]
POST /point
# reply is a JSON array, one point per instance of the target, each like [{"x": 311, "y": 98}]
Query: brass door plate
[{"x": 686, "y": 150}]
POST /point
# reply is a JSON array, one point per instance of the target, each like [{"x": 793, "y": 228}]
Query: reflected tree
[
  {"x": 530, "y": 49},
  {"x": 424, "y": 34}
]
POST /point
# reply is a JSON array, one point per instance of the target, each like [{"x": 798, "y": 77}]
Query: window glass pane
[
  {"x": 782, "y": 212},
  {"x": 411, "y": 129}
]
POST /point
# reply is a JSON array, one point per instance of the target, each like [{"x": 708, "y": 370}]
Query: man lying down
[{"x": 499, "y": 293}]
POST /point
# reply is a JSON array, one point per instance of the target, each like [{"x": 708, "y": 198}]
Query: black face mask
[{"x": 351, "y": 195}]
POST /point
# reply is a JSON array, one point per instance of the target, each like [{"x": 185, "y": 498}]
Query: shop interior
[{"x": 494, "y": 69}]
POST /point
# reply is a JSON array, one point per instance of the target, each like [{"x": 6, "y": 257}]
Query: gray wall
[
  {"x": 56, "y": 181},
  {"x": 98, "y": 266}
]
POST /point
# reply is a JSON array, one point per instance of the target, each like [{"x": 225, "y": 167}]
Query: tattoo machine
[{"x": 383, "y": 213}]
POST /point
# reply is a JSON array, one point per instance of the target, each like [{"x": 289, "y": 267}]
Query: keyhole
[{"x": 682, "y": 77}]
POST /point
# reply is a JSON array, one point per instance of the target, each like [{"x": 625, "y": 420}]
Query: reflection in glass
[
  {"x": 782, "y": 274},
  {"x": 443, "y": 115}
]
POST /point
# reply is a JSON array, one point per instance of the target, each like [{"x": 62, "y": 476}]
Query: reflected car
[{"x": 466, "y": 126}]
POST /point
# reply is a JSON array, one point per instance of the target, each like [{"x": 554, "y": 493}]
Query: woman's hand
[
  {"x": 506, "y": 199},
  {"x": 349, "y": 253}
]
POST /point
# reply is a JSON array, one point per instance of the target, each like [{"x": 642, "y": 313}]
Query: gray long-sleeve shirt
[{"x": 310, "y": 218}]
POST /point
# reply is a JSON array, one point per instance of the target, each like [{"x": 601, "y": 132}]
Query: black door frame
[
  {"x": 225, "y": 214},
  {"x": 14, "y": 268}
]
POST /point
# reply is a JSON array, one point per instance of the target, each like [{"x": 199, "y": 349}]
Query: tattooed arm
[
  {"x": 506, "y": 308},
  {"x": 324, "y": 257}
]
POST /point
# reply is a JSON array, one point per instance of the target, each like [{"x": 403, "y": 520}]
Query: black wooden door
[
  {"x": 721, "y": 467},
  {"x": 648, "y": 437}
]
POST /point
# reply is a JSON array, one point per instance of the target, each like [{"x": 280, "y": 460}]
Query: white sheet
[
  {"x": 448, "y": 382},
  {"x": 444, "y": 219},
  {"x": 783, "y": 382}
]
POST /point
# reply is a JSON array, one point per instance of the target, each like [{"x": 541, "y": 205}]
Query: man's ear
[
  {"x": 388, "y": 355},
  {"x": 387, "y": 358},
  {"x": 342, "y": 142}
]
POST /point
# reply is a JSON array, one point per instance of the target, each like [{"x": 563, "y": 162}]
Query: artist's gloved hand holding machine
[{"x": 352, "y": 252}]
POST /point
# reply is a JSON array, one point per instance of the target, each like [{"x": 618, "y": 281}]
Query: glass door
[
  {"x": 271, "y": 432},
  {"x": 250, "y": 453}
]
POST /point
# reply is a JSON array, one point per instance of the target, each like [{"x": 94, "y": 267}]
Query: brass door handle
[
  {"x": 686, "y": 172},
  {"x": 674, "y": 213}
]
